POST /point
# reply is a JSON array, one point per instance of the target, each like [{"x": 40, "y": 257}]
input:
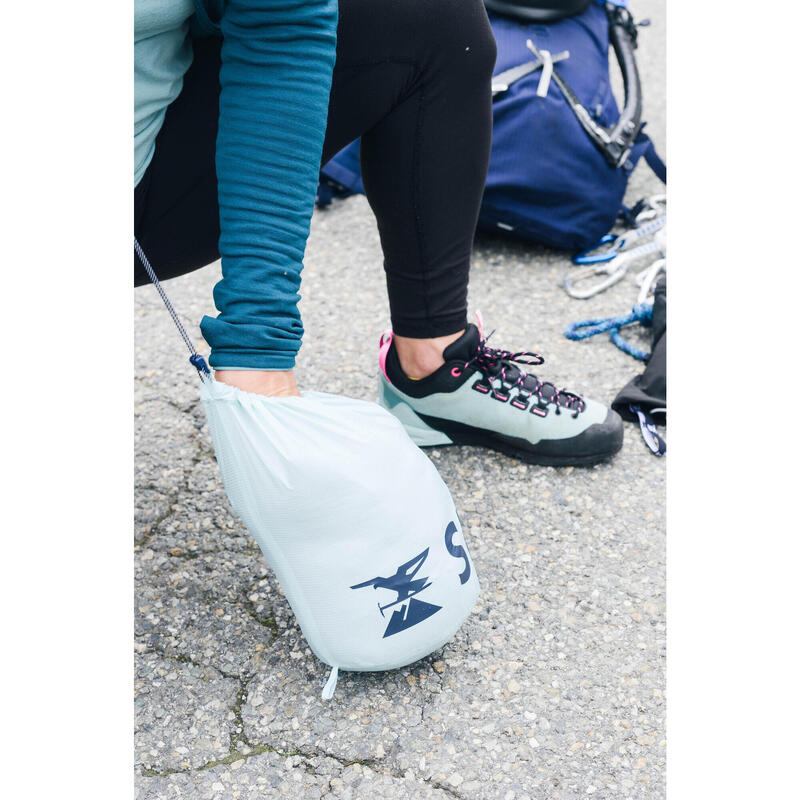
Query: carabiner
[
  {"x": 615, "y": 267},
  {"x": 588, "y": 272},
  {"x": 648, "y": 278},
  {"x": 588, "y": 257},
  {"x": 618, "y": 242},
  {"x": 654, "y": 206}
]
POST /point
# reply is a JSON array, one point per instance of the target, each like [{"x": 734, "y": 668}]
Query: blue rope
[{"x": 584, "y": 329}]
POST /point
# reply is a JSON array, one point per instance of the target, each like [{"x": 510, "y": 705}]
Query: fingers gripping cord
[{"x": 195, "y": 359}]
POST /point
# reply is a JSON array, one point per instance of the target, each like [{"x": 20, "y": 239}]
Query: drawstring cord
[
  {"x": 195, "y": 359},
  {"x": 330, "y": 686}
]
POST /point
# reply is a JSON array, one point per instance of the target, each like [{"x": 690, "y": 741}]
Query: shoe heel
[{"x": 420, "y": 432}]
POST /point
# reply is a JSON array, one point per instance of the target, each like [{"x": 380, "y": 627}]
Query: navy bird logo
[{"x": 411, "y": 610}]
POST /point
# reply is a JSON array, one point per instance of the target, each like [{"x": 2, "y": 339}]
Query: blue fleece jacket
[{"x": 277, "y": 63}]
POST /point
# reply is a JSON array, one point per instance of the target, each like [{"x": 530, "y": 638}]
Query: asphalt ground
[{"x": 553, "y": 688}]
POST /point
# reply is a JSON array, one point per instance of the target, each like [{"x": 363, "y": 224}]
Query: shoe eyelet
[
  {"x": 481, "y": 387},
  {"x": 503, "y": 398},
  {"x": 456, "y": 372},
  {"x": 539, "y": 410},
  {"x": 521, "y": 404}
]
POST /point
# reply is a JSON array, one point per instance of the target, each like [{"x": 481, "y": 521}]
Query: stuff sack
[
  {"x": 548, "y": 181},
  {"x": 353, "y": 518}
]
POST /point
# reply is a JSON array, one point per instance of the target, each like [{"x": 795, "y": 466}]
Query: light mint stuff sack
[{"x": 353, "y": 518}]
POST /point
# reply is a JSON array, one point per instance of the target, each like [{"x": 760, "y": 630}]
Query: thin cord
[
  {"x": 146, "y": 264},
  {"x": 196, "y": 360}
]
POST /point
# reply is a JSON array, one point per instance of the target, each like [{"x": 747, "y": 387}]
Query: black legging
[{"x": 425, "y": 128}]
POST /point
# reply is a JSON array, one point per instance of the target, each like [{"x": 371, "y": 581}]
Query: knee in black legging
[{"x": 452, "y": 27}]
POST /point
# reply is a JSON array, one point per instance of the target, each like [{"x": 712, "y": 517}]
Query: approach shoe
[{"x": 479, "y": 396}]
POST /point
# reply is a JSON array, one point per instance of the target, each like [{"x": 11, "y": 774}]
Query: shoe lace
[{"x": 494, "y": 363}]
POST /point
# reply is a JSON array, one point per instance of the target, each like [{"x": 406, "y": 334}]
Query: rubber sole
[
  {"x": 597, "y": 443},
  {"x": 568, "y": 452}
]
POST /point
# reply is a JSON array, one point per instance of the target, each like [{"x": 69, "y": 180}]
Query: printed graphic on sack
[{"x": 408, "y": 610}]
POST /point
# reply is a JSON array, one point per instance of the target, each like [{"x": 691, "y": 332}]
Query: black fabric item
[
  {"x": 425, "y": 125},
  {"x": 176, "y": 216},
  {"x": 649, "y": 390},
  {"x": 537, "y": 10}
]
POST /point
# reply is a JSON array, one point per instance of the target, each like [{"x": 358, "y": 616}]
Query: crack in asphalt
[
  {"x": 269, "y": 622},
  {"x": 201, "y": 449},
  {"x": 181, "y": 658},
  {"x": 151, "y": 528},
  {"x": 238, "y": 733},
  {"x": 238, "y": 738},
  {"x": 306, "y": 757}
]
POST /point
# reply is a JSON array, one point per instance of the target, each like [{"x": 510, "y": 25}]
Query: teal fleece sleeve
[{"x": 277, "y": 62}]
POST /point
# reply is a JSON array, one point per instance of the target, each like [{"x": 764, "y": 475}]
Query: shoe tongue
[{"x": 463, "y": 348}]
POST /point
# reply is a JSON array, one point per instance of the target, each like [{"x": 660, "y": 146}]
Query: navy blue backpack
[{"x": 560, "y": 163}]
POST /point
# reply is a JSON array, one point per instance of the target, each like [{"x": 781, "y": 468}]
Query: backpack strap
[
  {"x": 623, "y": 34},
  {"x": 614, "y": 143},
  {"x": 654, "y": 160}
]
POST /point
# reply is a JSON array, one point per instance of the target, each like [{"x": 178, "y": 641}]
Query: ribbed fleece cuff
[
  {"x": 267, "y": 362},
  {"x": 254, "y": 345}
]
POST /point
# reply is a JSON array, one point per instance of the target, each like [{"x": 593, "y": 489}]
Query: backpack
[{"x": 562, "y": 153}]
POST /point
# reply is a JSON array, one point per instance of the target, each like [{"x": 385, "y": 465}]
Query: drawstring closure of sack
[
  {"x": 195, "y": 359},
  {"x": 330, "y": 685}
]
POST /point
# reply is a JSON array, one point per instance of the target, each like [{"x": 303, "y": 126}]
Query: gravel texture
[{"x": 553, "y": 688}]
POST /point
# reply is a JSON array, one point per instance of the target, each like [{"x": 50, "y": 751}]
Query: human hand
[{"x": 272, "y": 383}]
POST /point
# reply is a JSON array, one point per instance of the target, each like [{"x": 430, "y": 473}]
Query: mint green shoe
[{"x": 481, "y": 397}]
